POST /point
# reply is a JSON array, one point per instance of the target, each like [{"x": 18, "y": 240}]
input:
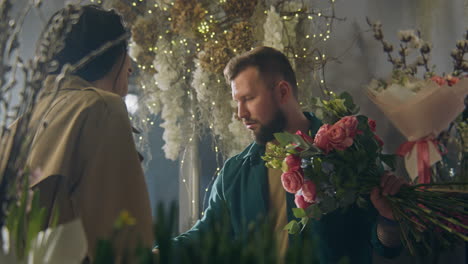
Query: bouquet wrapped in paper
[{"x": 420, "y": 108}]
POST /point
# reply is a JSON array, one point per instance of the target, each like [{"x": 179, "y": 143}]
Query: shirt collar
[{"x": 70, "y": 82}]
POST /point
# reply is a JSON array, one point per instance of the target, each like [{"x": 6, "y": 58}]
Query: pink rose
[
  {"x": 293, "y": 162},
  {"x": 306, "y": 137},
  {"x": 301, "y": 202},
  {"x": 437, "y": 79},
  {"x": 350, "y": 124},
  {"x": 451, "y": 80},
  {"x": 292, "y": 181},
  {"x": 309, "y": 191},
  {"x": 338, "y": 137},
  {"x": 372, "y": 124},
  {"x": 321, "y": 139}
]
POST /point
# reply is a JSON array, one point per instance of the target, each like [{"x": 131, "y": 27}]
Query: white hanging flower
[
  {"x": 166, "y": 64},
  {"x": 131, "y": 101},
  {"x": 172, "y": 113},
  {"x": 169, "y": 66},
  {"x": 152, "y": 94},
  {"x": 273, "y": 28},
  {"x": 201, "y": 83},
  {"x": 134, "y": 50}
]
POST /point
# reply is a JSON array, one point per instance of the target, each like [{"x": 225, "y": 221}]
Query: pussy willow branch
[{"x": 11, "y": 46}]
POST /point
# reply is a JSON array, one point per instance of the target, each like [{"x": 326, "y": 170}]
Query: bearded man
[{"x": 265, "y": 89}]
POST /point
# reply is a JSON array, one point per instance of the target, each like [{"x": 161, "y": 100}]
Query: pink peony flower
[
  {"x": 372, "y": 124},
  {"x": 293, "y": 162},
  {"x": 301, "y": 202},
  {"x": 437, "y": 79},
  {"x": 292, "y": 181},
  {"x": 338, "y": 137},
  {"x": 321, "y": 139},
  {"x": 309, "y": 191},
  {"x": 306, "y": 137}
]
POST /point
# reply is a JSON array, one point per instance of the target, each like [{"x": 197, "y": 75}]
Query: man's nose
[{"x": 242, "y": 111}]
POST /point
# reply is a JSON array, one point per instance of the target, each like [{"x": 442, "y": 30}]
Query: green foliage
[
  {"x": 330, "y": 111},
  {"x": 314, "y": 212},
  {"x": 274, "y": 156},
  {"x": 105, "y": 253},
  {"x": 299, "y": 212},
  {"x": 291, "y": 141},
  {"x": 292, "y": 227},
  {"x": 218, "y": 245},
  {"x": 389, "y": 160},
  {"x": 26, "y": 219}
]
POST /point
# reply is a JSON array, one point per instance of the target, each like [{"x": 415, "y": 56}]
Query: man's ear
[{"x": 284, "y": 91}]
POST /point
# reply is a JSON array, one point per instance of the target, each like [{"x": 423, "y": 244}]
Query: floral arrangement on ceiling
[{"x": 182, "y": 46}]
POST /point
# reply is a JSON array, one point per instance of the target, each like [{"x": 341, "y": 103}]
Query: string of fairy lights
[{"x": 193, "y": 47}]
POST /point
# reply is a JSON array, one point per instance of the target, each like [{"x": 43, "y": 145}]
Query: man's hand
[{"x": 389, "y": 185}]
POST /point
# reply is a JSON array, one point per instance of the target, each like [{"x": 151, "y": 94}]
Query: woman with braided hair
[{"x": 84, "y": 145}]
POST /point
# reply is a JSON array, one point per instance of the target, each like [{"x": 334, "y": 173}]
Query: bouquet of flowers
[
  {"x": 414, "y": 104},
  {"x": 343, "y": 162}
]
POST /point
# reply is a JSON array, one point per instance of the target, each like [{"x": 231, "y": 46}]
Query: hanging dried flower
[
  {"x": 240, "y": 38},
  {"x": 141, "y": 29},
  {"x": 218, "y": 52},
  {"x": 140, "y": 36},
  {"x": 215, "y": 56},
  {"x": 187, "y": 15},
  {"x": 130, "y": 10},
  {"x": 239, "y": 8}
]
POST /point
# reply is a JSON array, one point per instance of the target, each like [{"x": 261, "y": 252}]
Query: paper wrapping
[{"x": 423, "y": 114}]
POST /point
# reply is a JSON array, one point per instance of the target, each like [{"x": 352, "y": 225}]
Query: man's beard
[{"x": 266, "y": 132}]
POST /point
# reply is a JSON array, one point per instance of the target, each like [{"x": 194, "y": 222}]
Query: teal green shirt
[{"x": 242, "y": 186}]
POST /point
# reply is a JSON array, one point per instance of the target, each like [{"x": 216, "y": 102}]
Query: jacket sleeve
[
  {"x": 215, "y": 212},
  {"x": 112, "y": 179},
  {"x": 379, "y": 248}
]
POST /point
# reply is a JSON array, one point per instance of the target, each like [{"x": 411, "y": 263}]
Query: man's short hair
[{"x": 271, "y": 64}]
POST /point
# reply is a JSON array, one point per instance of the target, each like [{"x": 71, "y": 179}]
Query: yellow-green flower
[{"x": 125, "y": 219}]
